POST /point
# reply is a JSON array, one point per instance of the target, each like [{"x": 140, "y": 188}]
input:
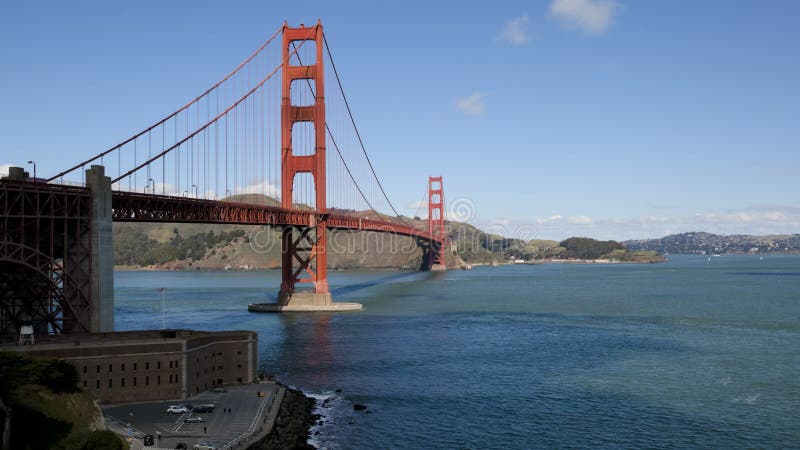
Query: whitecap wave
[
  {"x": 747, "y": 399},
  {"x": 325, "y": 405}
]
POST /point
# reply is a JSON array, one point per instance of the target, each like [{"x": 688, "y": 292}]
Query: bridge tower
[
  {"x": 304, "y": 253},
  {"x": 436, "y": 222}
]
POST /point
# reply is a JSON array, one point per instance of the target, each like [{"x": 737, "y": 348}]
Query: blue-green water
[{"x": 688, "y": 353}]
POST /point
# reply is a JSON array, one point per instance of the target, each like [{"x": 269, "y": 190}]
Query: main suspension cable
[
  {"x": 184, "y": 107},
  {"x": 358, "y": 135}
]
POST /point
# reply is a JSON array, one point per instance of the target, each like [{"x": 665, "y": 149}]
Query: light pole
[
  {"x": 163, "y": 311},
  {"x": 34, "y": 169},
  {"x": 194, "y": 186}
]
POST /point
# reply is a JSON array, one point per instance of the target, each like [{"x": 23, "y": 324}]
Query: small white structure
[{"x": 26, "y": 335}]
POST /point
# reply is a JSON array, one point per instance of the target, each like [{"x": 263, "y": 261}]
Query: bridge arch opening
[
  {"x": 303, "y": 139},
  {"x": 28, "y": 297},
  {"x": 302, "y": 93},
  {"x": 306, "y": 54},
  {"x": 304, "y": 194}
]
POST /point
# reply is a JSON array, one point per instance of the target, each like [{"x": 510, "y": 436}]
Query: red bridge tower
[
  {"x": 436, "y": 223},
  {"x": 304, "y": 257}
]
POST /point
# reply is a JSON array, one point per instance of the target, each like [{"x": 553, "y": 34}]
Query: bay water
[{"x": 688, "y": 353}]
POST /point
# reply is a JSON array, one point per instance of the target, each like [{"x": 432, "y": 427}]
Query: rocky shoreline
[{"x": 291, "y": 429}]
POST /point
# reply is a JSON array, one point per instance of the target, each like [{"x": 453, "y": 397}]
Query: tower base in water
[
  {"x": 304, "y": 302},
  {"x": 438, "y": 268}
]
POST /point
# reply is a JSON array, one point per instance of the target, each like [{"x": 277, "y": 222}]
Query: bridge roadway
[{"x": 138, "y": 207}]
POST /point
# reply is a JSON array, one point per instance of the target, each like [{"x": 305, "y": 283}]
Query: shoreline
[{"x": 292, "y": 427}]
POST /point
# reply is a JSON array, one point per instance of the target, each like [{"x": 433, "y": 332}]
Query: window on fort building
[
  {"x": 219, "y": 354},
  {"x": 147, "y": 380},
  {"x": 219, "y": 368},
  {"x": 134, "y": 366},
  {"x": 84, "y": 383},
  {"x": 240, "y": 366},
  {"x": 147, "y": 366},
  {"x": 239, "y": 380},
  {"x": 170, "y": 364},
  {"x": 134, "y": 381},
  {"x": 158, "y": 380},
  {"x": 110, "y": 383},
  {"x": 158, "y": 364},
  {"x": 110, "y": 367},
  {"x": 239, "y": 353},
  {"x": 122, "y": 382},
  {"x": 97, "y": 384},
  {"x": 84, "y": 369},
  {"x": 122, "y": 367},
  {"x": 170, "y": 379},
  {"x": 98, "y": 368}
]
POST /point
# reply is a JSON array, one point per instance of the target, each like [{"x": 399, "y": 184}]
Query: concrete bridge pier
[{"x": 102, "y": 250}]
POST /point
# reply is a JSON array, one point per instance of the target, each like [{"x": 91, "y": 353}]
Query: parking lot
[{"x": 219, "y": 427}]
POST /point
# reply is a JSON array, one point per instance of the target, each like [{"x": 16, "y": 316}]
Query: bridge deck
[{"x": 136, "y": 207}]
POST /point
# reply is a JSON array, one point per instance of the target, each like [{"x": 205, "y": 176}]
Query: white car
[
  {"x": 177, "y": 409},
  {"x": 204, "y": 446}
]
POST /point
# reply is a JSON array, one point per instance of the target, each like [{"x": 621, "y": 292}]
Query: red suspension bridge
[{"x": 251, "y": 149}]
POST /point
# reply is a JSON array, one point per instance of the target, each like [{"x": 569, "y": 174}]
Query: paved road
[{"x": 219, "y": 428}]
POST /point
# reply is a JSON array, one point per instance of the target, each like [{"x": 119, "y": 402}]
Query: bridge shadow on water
[{"x": 343, "y": 290}]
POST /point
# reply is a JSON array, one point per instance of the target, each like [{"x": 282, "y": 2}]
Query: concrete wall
[
  {"x": 102, "y": 244},
  {"x": 145, "y": 366}
]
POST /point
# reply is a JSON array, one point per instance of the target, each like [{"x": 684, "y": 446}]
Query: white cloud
[
  {"x": 262, "y": 187},
  {"x": 4, "y": 169},
  {"x": 559, "y": 219},
  {"x": 591, "y": 16},
  {"x": 516, "y": 30},
  {"x": 472, "y": 105}
]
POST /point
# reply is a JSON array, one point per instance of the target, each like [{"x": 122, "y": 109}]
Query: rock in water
[{"x": 359, "y": 407}]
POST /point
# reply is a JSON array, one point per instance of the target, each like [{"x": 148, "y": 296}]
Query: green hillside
[{"x": 43, "y": 407}]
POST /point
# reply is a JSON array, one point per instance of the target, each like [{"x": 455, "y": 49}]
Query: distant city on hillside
[{"x": 707, "y": 243}]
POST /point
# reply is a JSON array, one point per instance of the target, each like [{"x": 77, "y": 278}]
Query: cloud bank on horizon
[{"x": 753, "y": 220}]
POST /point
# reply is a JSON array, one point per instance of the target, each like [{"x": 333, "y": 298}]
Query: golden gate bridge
[{"x": 251, "y": 149}]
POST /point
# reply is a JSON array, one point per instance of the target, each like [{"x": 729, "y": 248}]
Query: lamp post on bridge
[
  {"x": 196, "y": 194},
  {"x": 34, "y": 169}
]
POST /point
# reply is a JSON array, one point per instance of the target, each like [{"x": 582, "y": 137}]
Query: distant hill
[
  {"x": 707, "y": 243},
  {"x": 239, "y": 247},
  {"x": 580, "y": 248}
]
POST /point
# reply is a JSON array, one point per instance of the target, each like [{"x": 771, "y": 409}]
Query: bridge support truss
[{"x": 56, "y": 258}]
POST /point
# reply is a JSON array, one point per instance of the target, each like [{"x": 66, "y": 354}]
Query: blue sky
[{"x": 606, "y": 118}]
